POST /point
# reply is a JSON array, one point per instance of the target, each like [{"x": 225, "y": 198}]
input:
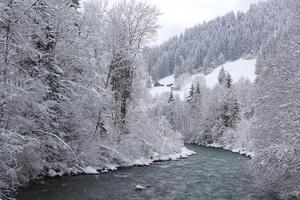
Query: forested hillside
[{"x": 207, "y": 45}]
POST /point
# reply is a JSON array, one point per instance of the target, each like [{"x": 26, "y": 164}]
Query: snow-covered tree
[
  {"x": 171, "y": 97},
  {"x": 228, "y": 81},
  {"x": 276, "y": 128},
  {"x": 191, "y": 93},
  {"x": 212, "y": 43},
  {"x": 222, "y": 76},
  {"x": 57, "y": 94},
  {"x": 130, "y": 26}
]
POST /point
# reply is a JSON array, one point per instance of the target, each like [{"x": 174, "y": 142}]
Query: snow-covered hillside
[{"x": 238, "y": 69}]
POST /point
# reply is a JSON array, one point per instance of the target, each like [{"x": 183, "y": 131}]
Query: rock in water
[{"x": 139, "y": 188}]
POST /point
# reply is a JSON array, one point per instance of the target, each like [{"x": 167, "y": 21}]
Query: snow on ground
[
  {"x": 167, "y": 80},
  {"x": 157, "y": 91},
  {"x": 112, "y": 167},
  {"x": 183, "y": 154},
  {"x": 90, "y": 170},
  {"x": 241, "y": 151},
  {"x": 238, "y": 69}
]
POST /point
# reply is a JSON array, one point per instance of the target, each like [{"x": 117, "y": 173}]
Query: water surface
[{"x": 211, "y": 174}]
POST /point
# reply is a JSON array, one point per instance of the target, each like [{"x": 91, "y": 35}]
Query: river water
[{"x": 211, "y": 174}]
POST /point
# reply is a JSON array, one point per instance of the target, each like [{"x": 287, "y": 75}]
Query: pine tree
[
  {"x": 197, "y": 97},
  {"x": 171, "y": 97},
  {"x": 197, "y": 91},
  {"x": 75, "y": 2},
  {"x": 228, "y": 112},
  {"x": 191, "y": 93},
  {"x": 228, "y": 81},
  {"x": 236, "y": 109},
  {"x": 194, "y": 110},
  {"x": 222, "y": 76}
]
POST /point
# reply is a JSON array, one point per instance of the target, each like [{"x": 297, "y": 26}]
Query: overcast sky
[{"x": 177, "y": 15}]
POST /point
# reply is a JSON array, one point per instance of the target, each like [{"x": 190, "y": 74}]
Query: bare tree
[{"x": 130, "y": 25}]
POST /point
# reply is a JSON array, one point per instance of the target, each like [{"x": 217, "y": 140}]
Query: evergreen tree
[
  {"x": 222, "y": 76},
  {"x": 75, "y": 2},
  {"x": 198, "y": 91},
  {"x": 194, "y": 108},
  {"x": 228, "y": 112},
  {"x": 228, "y": 81},
  {"x": 171, "y": 97},
  {"x": 191, "y": 93}
]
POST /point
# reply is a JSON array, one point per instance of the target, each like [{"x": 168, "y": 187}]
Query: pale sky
[{"x": 177, "y": 15}]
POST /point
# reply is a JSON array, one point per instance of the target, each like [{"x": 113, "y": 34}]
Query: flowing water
[{"x": 211, "y": 174}]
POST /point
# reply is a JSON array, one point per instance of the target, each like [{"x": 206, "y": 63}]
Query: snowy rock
[
  {"x": 90, "y": 170},
  {"x": 139, "y": 188},
  {"x": 52, "y": 173}
]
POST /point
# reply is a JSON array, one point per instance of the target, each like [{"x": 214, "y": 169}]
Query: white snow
[
  {"x": 142, "y": 162},
  {"x": 238, "y": 69},
  {"x": 183, "y": 154},
  {"x": 157, "y": 91},
  {"x": 111, "y": 167},
  {"x": 53, "y": 173},
  {"x": 90, "y": 170},
  {"x": 167, "y": 80},
  {"x": 241, "y": 151},
  {"x": 139, "y": 188}
]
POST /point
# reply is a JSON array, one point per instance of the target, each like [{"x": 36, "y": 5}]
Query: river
[{"x": 211, "y": 174}]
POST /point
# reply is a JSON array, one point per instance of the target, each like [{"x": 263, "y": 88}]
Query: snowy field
[{"x": 238, "y": 69}]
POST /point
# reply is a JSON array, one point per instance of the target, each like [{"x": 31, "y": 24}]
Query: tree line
[{"x": 204, "y": 47}]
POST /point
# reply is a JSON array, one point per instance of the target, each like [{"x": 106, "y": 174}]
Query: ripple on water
[{"x": 211, "y": 174}]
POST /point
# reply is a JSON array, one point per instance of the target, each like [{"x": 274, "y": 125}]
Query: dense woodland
[
  {"x": 207, "y": 45},
  {"x": 73, "y": 90}
]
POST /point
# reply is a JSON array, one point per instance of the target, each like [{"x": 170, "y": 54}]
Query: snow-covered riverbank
[
  {"x": 112, "y": 167},
  {"x": 240, "y": 150}
]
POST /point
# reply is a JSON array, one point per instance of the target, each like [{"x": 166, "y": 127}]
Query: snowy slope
[
  {"x": 156, "y": 91},
  {"x": 238, "y": 69}
]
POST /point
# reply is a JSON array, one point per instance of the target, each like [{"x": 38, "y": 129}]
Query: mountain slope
[
  {"x": 238, "y": 69},
  {"x": 208, "y": 45}
]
